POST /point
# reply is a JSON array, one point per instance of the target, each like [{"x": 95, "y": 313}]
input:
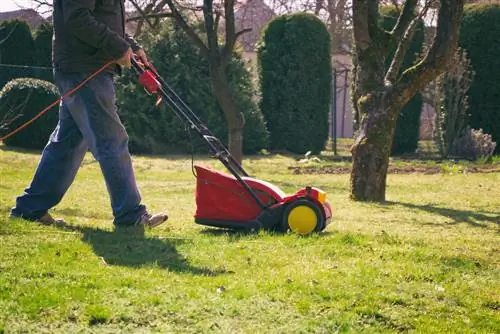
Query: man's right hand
[{"x": 126, "y": 59}]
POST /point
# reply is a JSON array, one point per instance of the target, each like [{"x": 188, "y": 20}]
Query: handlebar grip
[{"x": 135, "y": 64}]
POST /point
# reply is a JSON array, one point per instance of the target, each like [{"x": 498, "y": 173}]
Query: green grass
[{"x": 426, "y": 261}]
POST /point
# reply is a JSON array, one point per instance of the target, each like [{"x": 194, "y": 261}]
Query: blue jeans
[{"x": 88, "y": 120}]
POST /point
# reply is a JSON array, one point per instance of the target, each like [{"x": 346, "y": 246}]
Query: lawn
[{"x": 427, "y": 261}]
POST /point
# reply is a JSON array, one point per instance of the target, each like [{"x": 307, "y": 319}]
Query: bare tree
[
  {"x": 149, "y": 12},
  {"x": 41, "y": 6},
  {"x": 217, "y": 52},
  {"x": 380, "y": 94}
]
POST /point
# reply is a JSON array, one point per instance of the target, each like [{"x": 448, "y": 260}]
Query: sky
[{"x": 10, "y": 5}]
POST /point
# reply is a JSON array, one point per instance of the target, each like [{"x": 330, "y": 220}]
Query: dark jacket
[{"x": 88, "y": 34}]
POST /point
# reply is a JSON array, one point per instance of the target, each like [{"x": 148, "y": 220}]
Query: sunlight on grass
[{"x": 424, "y": 261}]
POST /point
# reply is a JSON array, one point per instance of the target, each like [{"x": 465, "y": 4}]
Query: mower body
[
  {"x": 222, "y": 201},
  {"x": 238, "y": 201}
]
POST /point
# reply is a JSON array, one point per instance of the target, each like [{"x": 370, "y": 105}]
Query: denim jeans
[{"x": 88, "y": 120}]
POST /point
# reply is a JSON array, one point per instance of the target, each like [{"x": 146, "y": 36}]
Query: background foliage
[
  {"x": 480, "y": 36},
  {"x": 295, "y": 80},
  {"x": 154, "y": 130},
  {"x": 450, "y": 101}
]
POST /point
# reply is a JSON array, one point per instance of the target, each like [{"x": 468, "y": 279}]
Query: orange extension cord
[{"x": 66, "y": 95}]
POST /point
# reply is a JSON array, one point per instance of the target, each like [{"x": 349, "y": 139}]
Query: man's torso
[{"x": 73, "y": 49}]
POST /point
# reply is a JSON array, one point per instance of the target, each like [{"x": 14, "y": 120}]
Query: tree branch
[
  {"x": 143, "y": 13},
  {"x": 365, "y": 22},
  {"x": 159, "y": 8},
  {"x": 229, "y": 31},
  {"x": 404, "y": 45},
  {"x": 211, "y": 30},
  {"x": 231, "y": 36},
  {"x": 405, "y": 18},
  {"x": 149, "y": 16},
  {"x": 187, "y": 28},
  {"x": 241, "y": 32},
  {"x": 399, "y": 55},
  {"x": 439, "y": 54},
  {"x": 361, "y": 32}
]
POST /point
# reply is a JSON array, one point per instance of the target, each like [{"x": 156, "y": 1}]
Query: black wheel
[{"x": 303, "y": 217}]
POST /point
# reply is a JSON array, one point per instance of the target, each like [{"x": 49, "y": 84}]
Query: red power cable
[{"x": 66, "y": 95}]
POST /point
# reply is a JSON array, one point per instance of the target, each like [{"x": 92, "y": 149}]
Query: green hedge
[
  {"x": 480, "y": 36},
  {"x": 157, "y": 130},
  {"x": 20, "y": 100},
  {"x": 43, "y": 52},
  {"x": 295, "y": 79},
  {"x": 407, "y": 132},
  {"x": 16, "y": 48}
]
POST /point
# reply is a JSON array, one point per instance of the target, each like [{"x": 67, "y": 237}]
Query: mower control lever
[{"x": 147, "y": 78}]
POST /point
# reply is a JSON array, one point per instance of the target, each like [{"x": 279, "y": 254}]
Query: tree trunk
[
  {"x": 370, "y": 152},
  {"x": 234, "y": 118},
  {"x": 372, "y": 148},
  {"x": 378, "y": 96}
]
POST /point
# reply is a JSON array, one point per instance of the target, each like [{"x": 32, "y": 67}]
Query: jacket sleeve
[{"x": 81, "y": 23}]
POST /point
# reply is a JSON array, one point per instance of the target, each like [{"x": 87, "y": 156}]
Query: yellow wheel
[{"x": 302, "y": 217}]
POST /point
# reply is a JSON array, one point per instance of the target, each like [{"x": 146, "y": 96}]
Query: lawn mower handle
[{"x": 154, "y": 84}]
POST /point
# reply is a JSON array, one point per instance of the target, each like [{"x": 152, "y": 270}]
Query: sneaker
[
  {"x": 151, "y": 221},
  {"x": 46, "y": 219}
]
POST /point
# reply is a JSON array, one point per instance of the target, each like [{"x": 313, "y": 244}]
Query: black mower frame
[{"x": 186, "y": 115}]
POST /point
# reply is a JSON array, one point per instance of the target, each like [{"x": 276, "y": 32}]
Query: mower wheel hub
[{"x": 302, "y": 219}]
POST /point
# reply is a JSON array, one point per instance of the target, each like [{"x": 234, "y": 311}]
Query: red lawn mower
[{"x": 238, "y": 201}]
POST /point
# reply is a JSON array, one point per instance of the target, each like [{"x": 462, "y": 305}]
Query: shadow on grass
[
  {"x": 72, "y": 212},
  {"x": 242, "y": 234},
  {"x": 130, "y": 247},
  {"x": 231, "y": 235},
  {"x": 473, "y": 218}
]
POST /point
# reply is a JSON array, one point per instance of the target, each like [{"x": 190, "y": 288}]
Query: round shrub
[
  {"x": 407, "y": 132},
  {"x": 16, "y": 48},
  {"x": 480, "y": 36},
  {"x": 20, "y": 100},
  {"x": 295, "y": 80},
  {"x": 158, "y": 130}
]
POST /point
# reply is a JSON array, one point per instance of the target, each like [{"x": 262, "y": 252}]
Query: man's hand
[
  {"x": 142, "y": 56},
  {"x": 126, "y": 59}
]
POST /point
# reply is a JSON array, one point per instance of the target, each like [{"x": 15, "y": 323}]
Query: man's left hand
[{"x": 142, "y": 56}]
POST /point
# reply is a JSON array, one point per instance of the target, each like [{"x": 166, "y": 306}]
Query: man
[{"x": 87, "y": 35}]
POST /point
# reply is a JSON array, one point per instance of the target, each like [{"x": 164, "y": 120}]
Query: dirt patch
[{"x": 428, "y": 170}]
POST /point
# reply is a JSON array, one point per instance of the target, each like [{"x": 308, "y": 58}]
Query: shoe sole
[{"x": 152, "y": 225}]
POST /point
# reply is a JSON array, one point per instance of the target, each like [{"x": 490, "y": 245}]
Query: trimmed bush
[
  {"x": 43, "y": 52},
  {"x": 154, "y": 130},
  {"x": 16, "y": 48},
  {"x": 20, "y": 100},
  {"x": 295, "y": 79},
  {"x": 480, "y": 36},
  {"x": 407, "y": 132}
]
